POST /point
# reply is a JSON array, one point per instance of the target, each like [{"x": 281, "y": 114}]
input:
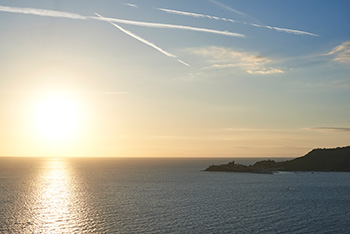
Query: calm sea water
[{"x": 68, "y": 195}]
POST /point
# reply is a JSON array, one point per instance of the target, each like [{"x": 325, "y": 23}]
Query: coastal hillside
[{"x": 337, "y": 159}]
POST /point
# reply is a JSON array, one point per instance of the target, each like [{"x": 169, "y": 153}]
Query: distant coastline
[{"x": 334, "y": 159}]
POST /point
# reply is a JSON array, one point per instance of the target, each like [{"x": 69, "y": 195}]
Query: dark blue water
[{"x": 166, "y": 196}]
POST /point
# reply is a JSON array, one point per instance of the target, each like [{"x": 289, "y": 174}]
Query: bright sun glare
[{"x": 57, "y": 118}]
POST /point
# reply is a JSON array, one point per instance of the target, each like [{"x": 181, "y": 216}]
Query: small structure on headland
[{"x": 337, "y": 159}]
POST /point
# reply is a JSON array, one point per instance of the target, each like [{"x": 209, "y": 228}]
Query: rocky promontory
[{"x": 336, "y": 159}]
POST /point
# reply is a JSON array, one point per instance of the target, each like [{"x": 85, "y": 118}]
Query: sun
[{"x": 57, "y": 118}]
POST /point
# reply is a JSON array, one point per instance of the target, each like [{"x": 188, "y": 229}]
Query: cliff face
[{"x": 337, "y": 159}]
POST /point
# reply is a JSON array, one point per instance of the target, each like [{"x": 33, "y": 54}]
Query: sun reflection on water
[
  {"x": 57, "y": 209},
  {"x": 47, "y": 195}
]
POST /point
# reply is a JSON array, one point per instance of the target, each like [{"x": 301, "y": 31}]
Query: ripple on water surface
[{"x": 165, "y": 196}]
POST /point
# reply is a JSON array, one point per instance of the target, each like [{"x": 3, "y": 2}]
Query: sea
[{"x": 166, "y": 195}]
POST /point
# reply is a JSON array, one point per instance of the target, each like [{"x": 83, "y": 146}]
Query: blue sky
[{"x": 217, "y": 78}]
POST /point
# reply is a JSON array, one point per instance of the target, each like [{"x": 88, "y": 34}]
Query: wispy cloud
[
  {"x": 197, "y": 15},
  {"x": 341, "y": 53},
  {"x": 42, "y": 12},
  {"x": 130, "y": 5},
  {"x": 266, "y": 71},
  {"x": 333, "y": 129},
  {"x": 228, "y": 58},
  {"x": 145, "y": 41},
  {"x": 228, "y": 8}
]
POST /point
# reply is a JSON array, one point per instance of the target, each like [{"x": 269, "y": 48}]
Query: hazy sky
[{"x": 159, "y": 78}]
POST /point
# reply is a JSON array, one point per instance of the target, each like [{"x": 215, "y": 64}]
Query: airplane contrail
[
  {"x": 171, "y": 26},
  {"x": 130, "y": 5},
  {"x": 113, "y": 21},
  {"x": 228, "y": 8},
  {"x": 145, "y": 41},
  {"x": 197, "y": 15},
  {"x": 62, "y": 14},
  {"x": 42, "y": 12},
  {"x": 286, "y": 30}
]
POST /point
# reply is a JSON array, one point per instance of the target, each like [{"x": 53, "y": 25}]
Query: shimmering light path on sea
[{"x": 70, "y": 195}]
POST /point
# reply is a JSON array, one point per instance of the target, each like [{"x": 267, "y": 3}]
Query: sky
[{"x": 162, "y": 78}]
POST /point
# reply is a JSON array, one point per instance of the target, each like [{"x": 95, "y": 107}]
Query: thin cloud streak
[
  {"x": 130, "y": 5},
  {"x": 286, "y": 30},
  {"x": 184, "y": 63},
  {"x": 197, "y": 15},
  {"x": 145, "y": 41},
  {"x": 171, "y": 26},
  {"x": 266, "y": 72},
  {"x": 228, "y": 8},
  {"x": 42, "y": 12},
  {"x": 62, "y": 14},
  {"x": 337, "y": 129}
]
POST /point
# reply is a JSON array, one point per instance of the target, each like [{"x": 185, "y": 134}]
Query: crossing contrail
[
  {"x": 63, "y": 14},
  {"x": 171, "y": 26},
  {"x": 145, "y": 41},
  {"x": 197, "y": 15}
]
